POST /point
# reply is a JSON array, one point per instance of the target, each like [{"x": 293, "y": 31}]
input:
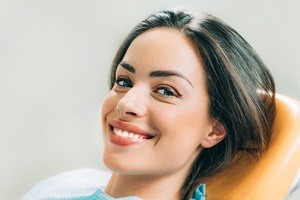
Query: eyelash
[
  {"x": 119, "y": 79},
  {"x": 168, "y": 91}
]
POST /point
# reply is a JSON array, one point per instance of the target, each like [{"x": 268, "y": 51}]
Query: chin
[
  {"x": 123, "y": 165},
  {"x": 117, "y": 163}
]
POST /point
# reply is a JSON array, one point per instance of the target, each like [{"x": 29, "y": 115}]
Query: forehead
[{"x": 164, "y": 48}]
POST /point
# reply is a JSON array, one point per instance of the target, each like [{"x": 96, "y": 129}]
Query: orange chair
[{"x": 273, "y": 176}]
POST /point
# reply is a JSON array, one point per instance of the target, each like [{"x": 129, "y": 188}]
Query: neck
[{"x": 146, "y": 186}]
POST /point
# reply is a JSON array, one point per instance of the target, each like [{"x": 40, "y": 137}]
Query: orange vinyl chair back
[{"x": 272, "y": 176}]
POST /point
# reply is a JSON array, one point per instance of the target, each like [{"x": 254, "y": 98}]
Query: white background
[{"x": 55, "y": 57}]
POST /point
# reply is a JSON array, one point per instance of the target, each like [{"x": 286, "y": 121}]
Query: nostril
[
  {"x": 131, "y": 113},
  {"x": 129, "y": 109}
]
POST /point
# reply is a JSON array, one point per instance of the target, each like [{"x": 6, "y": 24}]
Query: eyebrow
[
  {"x": 158, "y": 73},
  {"x": 127, "y": 66},
  {"x": 166, "y": 73}
]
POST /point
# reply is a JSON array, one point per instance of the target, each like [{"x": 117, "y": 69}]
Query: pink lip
[
  {"x": 125, "y": 126},
  {"x": 123, "y": 141},
  {"x": 126, "y": 141}
]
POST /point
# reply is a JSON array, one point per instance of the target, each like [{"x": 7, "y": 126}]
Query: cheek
[
  {"x": 109, "y": 104},
  {"x": 192, "y": 120},
  {"x": 182, "y": 127},
  {"x": 181, "y": 137}
]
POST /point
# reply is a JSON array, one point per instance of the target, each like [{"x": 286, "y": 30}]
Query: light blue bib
[{"x": 83, "y": 184}]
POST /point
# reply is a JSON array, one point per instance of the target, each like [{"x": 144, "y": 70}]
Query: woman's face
[{"x": 156, "y": 117}]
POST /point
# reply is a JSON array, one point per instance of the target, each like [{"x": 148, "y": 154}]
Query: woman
[
  {"x": 189, "y": 84},
  {"x": 187, "y": 93}
]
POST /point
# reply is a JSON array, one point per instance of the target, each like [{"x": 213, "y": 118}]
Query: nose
[{"x": 132, "y": 104}]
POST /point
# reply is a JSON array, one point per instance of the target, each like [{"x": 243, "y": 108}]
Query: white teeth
[
  {"x": 122, "y": 133},
  {"x": 118, "y": 132},
  {"x": 125, "y": 133}
]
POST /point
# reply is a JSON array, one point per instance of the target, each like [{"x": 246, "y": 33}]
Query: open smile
[
  {"x": 127, "y": 134},
  {"x": 124, "y": 134}
]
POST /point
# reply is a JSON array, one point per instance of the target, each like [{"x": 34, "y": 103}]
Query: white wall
[{"x": 54, "y": 63}]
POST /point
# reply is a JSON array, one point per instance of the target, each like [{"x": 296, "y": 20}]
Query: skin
[{"x": 173, "y": 110}]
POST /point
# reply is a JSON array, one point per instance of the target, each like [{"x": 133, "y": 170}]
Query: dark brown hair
[{"x": 240, "y": 87}]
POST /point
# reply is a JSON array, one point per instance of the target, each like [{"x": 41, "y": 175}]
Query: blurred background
[{"x": 54, "y": 65}]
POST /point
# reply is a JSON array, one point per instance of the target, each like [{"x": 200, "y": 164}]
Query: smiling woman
[
  {"x": 187, "y": 94},
  {"x": 162, "y": 99},
  {"x": 190, "y": 83}
]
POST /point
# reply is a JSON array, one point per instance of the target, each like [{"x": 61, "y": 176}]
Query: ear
[{"x": 217, "y": 134}]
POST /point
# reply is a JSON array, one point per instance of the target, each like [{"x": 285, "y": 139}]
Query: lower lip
[{"x": 124, "y": 141}]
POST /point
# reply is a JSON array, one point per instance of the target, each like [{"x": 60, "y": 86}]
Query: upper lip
[{"x": 125, "y": 126}]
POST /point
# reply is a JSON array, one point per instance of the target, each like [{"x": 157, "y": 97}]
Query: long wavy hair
[{"x": 240, "y": 88}]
